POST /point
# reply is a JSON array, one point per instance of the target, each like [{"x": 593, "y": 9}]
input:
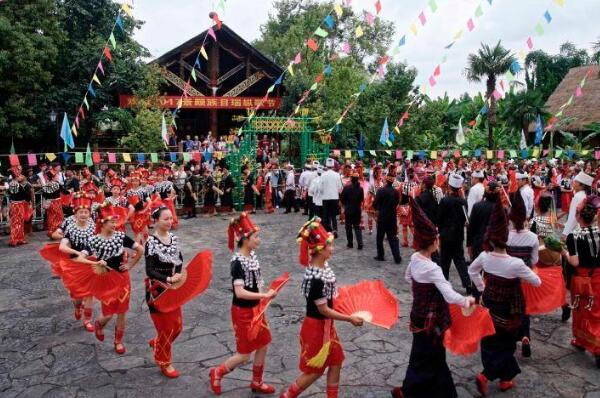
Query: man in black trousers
[
  {"x": 478, "y": 220},
  {"x": 452, "y": 216},
  {"x": 352, "y": 198},
  {"x": 386, "y": 202}
]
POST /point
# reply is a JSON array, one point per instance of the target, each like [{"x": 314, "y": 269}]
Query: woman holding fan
[
  {"x": 320, "y": 346},
  {"x": 428, "y": 374},
  {"x": 247, "y": 282}
]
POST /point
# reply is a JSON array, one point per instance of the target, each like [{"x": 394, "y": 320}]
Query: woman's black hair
[
  {"x": 158, "y": 211},
  {"x": 588, "y": 213},
  {"x": 544, "y": 203},
  {"x": 241, "y": 242}
]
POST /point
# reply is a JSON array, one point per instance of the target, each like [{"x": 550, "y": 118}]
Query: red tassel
[
  {"x": 231, "y": 237},
  {"x": 303, "y": 256}
]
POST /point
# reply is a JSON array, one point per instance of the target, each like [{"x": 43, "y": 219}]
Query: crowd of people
[{"x": 500, "y": 223}]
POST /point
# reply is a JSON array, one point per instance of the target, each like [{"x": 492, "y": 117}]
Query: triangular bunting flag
[
  {"x": 107, "y": 54},
  {"x": 95, "y": 78},
  {"x": 203, "y": 52},
  {"x": 125, "y": 7},
  {"x": 112, "y": 40}
]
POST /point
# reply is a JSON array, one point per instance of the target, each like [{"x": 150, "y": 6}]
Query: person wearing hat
[
  {"x": 386, "y": 202},
  {"x": 52, "y": 203},
  {"x": 290, "y": 190},
  {"x": 315, "y": 190},
  {"x": 502, "y": 295},
  {"x": 477, "y": 190},
  {"x": 479, "y": 219},
  {"x": 427, "y": 199},
  {"x": 428, "y": 374},
  {"x": 138, "y": 216},
  {"x": 581, "y": 183},
  {"x": 331, "y": 186},
  {"x": 352, "y": 198},
  {"x": 452, "y": 216},
  {"x": 320, "y": 346},
  {"x": 526, "y": 192},
  {"x": 247, "y": 282},
  {"x": 303, "y": 182},
  {"x": 583, "y": 253},
  {"x": 109, "y": 249},
  {"x": 20, "y": 212},
  {"x": 166, "y": 190}
]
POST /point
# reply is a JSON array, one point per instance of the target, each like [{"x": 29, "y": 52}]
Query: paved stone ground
[{"x": 45, "y": 353}]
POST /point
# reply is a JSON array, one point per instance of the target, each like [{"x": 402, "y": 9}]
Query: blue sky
[{"x": 171, "y": 22}]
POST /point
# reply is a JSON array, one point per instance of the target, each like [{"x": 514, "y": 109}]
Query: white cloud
[{"x": 170, "y": 23}]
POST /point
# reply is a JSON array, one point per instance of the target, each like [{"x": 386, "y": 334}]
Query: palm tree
[{"x": 489, "y": 62}]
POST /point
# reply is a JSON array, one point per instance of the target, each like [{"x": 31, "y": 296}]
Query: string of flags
[{"x": 555, "y": 119}]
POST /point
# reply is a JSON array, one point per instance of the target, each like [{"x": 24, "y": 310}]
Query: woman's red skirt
[
  {"x": 565, "y": 201},
  {"x": 242, "y": 321},
  {"x": 312, "y": 340},
  {"x": 404, "y": 215},
  {"x": 586, "y": 317},
  {"x": 54, "y": 216},
  {"x": 120, "y": 304}
]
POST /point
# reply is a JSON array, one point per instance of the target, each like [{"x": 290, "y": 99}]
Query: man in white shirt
[
  {"x": 314, "y": 190},
  {"x": 477, "y": 190},
  {"x": 309, "y": 179},
  {"x": 581, "y": 181},
  {"x": 290, "y": 190},
  {"x": 303, "y": 183},
  {"x": 331, "y": 183},
  {"x": 526, "y": 192}
]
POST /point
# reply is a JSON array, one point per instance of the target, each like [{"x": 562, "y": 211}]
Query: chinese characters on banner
[{"x": 126, "y": 101}]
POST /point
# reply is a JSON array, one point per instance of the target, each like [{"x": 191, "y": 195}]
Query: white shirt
[
  {"x": 423, "y": 270},
  {"x": 309, "y": 179},
  {"x": 527, "y": 194},
  {"x": 314, "y": 190},
  {"x": 290, "y": 181},
  {"x": 475, "y": 196},
  {"x": 525, "y": 238},
  {"x": 331, "y": 184},
  {"x": 501, "y": 265},
  {"x": 571, "y": 220},
  {"x": 303, "y": 180}
]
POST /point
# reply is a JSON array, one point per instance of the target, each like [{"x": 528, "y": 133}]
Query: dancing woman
[
  {"x": 247, "y": 282},
  {"x": 53, "y": 205}
]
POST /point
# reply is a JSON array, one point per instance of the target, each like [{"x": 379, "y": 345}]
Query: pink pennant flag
[
  {"x": 112, "y": 158},
  {"x": 298, "y": 58},
  {"x": 422, "y": 18},
  {"x": 470, "y": 24},
  {"x": 500, "y": 154},
  {"x": 457, "y": 153},
  {"x": 211, "y": 32},
  {"x": 291, "y": 122},
  {"x": 31, "y": 159},
  {"x": 545, "y": 152},
  {"x": 497, "y": 95},
  {"x": 529, "y": 43},
  {"x": 432, "y": 81},
  {"x": 444, "y": 153},
  {"x": 370, "y": 19},
  {"x": 578, "y": 92},
  {"x": 77, "y": 121},
  {"x": 398, "y": 154},
  {"x": 597, "y": 155},
  {"x": 437, "y": 71},
  {"x": 377, "y": 6},
  {"x": 101, "y": 67},
  {"x": 346, "y": 48}
]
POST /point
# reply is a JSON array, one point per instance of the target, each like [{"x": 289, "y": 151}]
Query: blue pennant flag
[
  {"x": 329, "y": 21},
  {"x": 197, "y": 63},
  {"x": 548, "y": 16},
  {"x": 361, "y": 142},
  {"x": 483, "y": 110},
  {"x": 174, "y": 112},
  {"x": 66, "y": 156},
  {"x": 402, "y": 41},
  {"x": 515, "y": 67},
  {"x": 449, "y": 45},
  {"x": 385, "y": 133},
  {"x": 421, "y": 154},
  {"x": 328, "y": 70},
  {"x": 65, "y": 132},
  {"x": 141, "y": 157},
  {"x": 490, "y": 1},
  {"x": 279, "y": 80},
  {"x": 362, "y": 87},
  {"x": 120, "y": 22},
  {"x": 477, "y": 153},
  {"x": 524, "y": 153},
  {"x": 91, "y": 90},
  {"x": 173, "y": 156},
  {"x": 539, "y": 130}
]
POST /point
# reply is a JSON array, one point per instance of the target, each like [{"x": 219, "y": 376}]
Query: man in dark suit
[
  {"x": 352, "y": 198},
  {"x": 478, "y": 220},
  {"x": 427, "y": 201},
  {"x": 386, "y": 202}
]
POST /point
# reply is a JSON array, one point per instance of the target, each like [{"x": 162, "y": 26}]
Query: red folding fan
[
  {"x": 122, "y": 212},
  {"x": 65, "y": 199},
  {"x": 85, "y": 280},
  {"x": 547, "y": 297},
  {"x": 369, "y": 300},
  {"x": 196, "y": 278},
  {"x": 54, "y": 256},
  {"x": 276, "y": 285},
  {"x": 466, "y": 331}
]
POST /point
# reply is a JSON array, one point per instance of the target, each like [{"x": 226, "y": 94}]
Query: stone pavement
[{"x": 45, "y": 353}]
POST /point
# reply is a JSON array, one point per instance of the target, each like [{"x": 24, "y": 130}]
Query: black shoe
[
  {"x": 335, "y": 235},
  {"x": 378, "y": 258},
  {"x": 525, "y": 348},
  {"x": 305, "y": 214},
  {"x": 359, "y": 247},
  {"x": 349, "y": 246},
  {"x": 566, "y": 313},
  {"x": 598, "y": 361},
  {"x": 398, "y": 260}
]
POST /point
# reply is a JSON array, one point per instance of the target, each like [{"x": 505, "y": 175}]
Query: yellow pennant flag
[
  {"x": 585, "y": 152},
  {"x": 372, "y": 153},
  {"x": 560, "y": 2},
  {"x": 340, "y": 120},
  {"x": 74, "y": 130},
  {"x": 50, "y": 156},
  {"x": 127, "y": 10},
  {"x": 180, "y": 103},
  {"x": 290, "y": 69},
  {"x": 413, "y": 29},
  {"x": 535, "y": 153},
  {"x": 126, "y": 157},
  {"x": 388, "y": 152},
  {"x": 458, "y": 35},
  {"x": 359, "y": 32},
  {"x": 338, "y": 10},
  {"x": 203, "y": 52},
  {"x": 95, "y": 78},
  {"x": 347, "y": 154},
  {"x": 489, "y": 154},
  {"x": 433, "y": 155}
]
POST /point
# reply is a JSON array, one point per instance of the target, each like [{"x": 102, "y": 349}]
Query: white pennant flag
[
  {"x": 523, "y": 143},
  {"x": 460, "y": 134},
  {"x": 163, "y": 131}
]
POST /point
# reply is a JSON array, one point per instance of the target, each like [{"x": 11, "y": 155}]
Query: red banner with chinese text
[{"x": 127, "y": 101}]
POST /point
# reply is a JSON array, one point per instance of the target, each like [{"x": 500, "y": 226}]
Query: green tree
[
  {"x": 489, "y": 62},
  {"x": 518, "y": 110}
]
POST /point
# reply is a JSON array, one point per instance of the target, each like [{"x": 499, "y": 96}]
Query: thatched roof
[{"x": 584, "y": 109}]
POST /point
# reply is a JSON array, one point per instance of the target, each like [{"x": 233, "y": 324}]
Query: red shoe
[
  {"x": 482, "y": 384},
  {"x": 88, "y": 326},
  {"x": 77, "y": 312},
  {"x": 119, "y": 348},
  {"x": 262, "y": 388},
  {"x": 397, "y": 392},
  {"x": 575, "y": 344},
  {"x": 98, "y": 331},
  {"x": 171, "y": 374},
  {"x": 506, "y": 385},
  {"x": 215, "y": 384}
]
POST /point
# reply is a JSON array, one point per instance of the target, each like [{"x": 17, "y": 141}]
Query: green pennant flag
[
  {"x": 409, "y": 154},
  {"x": 85, "y": 101},
  {"x": 558, "y": 152},
  {"x": 433, "y": 6},
  {"x": 88, "y": 156},
  {"x": 321, "y": 32},
  {"x": 12, "y": 147},
  {"x": 539, "y": 29},
  {"x": 388, "y": 143},
  {"x": 112, "y": 40},
  {"x": 78, "y": 157},
  {"x": 479, "y": 11},
  {"x": 194, "y": 74},
  {"x": 513, "y": 153},
  {"x": 186, "y": 156},
  {"x": 314, "y": 87},
  {"x": 154, "y": 158},
  {"x": 465, "y": 153}
]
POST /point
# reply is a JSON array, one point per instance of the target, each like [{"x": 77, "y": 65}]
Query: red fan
[
  {"x": 51, "y": 254},
  {"x": 276, "y": 285},
  {"x": 65, "y": 199},
  {"x": 550, "y": 295},
  {"x": 122, "y": 212},
  {"x": 196, "y": 278},
  {"x": 466, "y": 331},
  {"x": 84, "y": 280},
  {"x": 369, "y": 300}
]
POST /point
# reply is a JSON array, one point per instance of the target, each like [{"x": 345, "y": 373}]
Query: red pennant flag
[
  {"x": 384, "y": 60},
  {"x": 14, "y": 160},
  {"x": 472, "y": 123},
  {"x": 107, "y": 53},
  {"x": 378, "y": 6},
  {"x": 197, "y": 156},
  {"x": 457, "y": 153},
  {"x": 312, "y": 45},
  {"x": 81, "y": 112},
  {"x": 96, "y": 157},
  {"x": 437, "y": 71},
  {"x": 319, "y": 78}
]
